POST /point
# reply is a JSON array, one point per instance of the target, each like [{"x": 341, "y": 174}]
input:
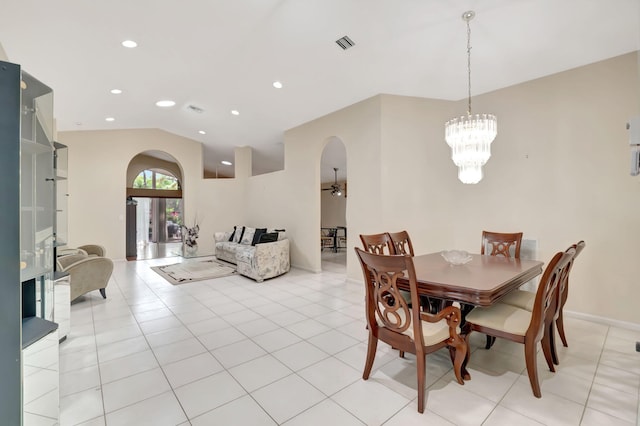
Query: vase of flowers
[{"x": 190, "y": 238}]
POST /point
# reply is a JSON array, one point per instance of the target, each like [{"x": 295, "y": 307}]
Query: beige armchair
[
  {"x": 87, "y": 273},
  {"x": 93, "y": 249}
]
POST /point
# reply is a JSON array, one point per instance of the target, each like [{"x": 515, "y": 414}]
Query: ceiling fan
[{"x": 335, "y": 189}]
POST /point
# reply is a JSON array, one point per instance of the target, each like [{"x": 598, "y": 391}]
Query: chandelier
[{"x": 470, "y": 136}]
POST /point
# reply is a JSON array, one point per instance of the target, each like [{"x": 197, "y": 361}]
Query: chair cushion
[
  {"x": 520, "y": 299},
  {"x": 503, "y": 317},
  {"x": 432, "y": 332}
]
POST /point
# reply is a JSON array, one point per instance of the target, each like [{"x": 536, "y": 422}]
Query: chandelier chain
[{"x": 469, "y": 66}]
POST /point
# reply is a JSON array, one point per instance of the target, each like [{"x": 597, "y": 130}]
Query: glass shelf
[{"x": 34, "y": 329}]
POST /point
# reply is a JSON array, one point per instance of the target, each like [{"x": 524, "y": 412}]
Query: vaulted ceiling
[{"x": 215, "y": 56}]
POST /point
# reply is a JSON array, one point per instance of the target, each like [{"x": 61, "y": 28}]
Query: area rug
[{"x": 188, "y": 272}]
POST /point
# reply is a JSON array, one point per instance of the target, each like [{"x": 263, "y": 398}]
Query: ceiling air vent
[
  {"x": 194, "y": 108},
  {"x": 345, "y": 42}
]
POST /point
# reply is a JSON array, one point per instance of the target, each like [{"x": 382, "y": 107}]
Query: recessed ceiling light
[
  {"x": 277, "y": 85},
  {"x": 109, "y": 119},
  {"x": 235, "y": 112},
  {"x": 130, "y": 44},
  {"x": 226, "y": 163},
  {"x": 165, "y": 103},
  {"x": 116, "y": 91},
  {"x": 202, "y": 132}
]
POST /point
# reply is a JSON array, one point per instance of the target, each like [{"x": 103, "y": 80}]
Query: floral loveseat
[{"x": 258, "y": 253}]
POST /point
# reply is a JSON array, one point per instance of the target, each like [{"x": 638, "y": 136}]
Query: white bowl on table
[{"x": 456, "y": 257}]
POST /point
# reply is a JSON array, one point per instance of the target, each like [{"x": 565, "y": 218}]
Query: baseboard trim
[
  {"x": 602, "y": 320},
  {"x": 302, "y": 268}
]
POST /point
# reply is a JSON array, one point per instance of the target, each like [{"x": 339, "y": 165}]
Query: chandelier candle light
[{"x": 470, "y": 136}]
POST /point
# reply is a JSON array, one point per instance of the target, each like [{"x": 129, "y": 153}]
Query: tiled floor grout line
[
  {"x": 157, "y": 360},
  {"x": 93, "y": 323},
  {"x": 593, "y": 382},
  {"x": 595, "y": 373}
]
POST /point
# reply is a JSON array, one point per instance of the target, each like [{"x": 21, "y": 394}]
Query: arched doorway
[
  {"x": 154, "y": 207},
  {"x": 333, "y": 206}
]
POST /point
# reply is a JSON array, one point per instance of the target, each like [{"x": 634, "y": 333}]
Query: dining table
[{"x": 480, "y": 282}]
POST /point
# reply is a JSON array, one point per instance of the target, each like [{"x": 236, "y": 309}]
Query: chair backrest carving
[
  {"x": 378, "y": 243},
  {"x": 385, "y": 305},
  {"x": 500, "y": 243},
  {"x": 402, "y": 242},
  {"x": 391, "y": 310}
]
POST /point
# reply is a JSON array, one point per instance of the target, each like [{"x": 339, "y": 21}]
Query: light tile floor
[{"x": 291, "y": 350}]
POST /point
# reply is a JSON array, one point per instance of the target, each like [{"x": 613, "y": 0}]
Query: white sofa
[{"x": 259, "y": 261}]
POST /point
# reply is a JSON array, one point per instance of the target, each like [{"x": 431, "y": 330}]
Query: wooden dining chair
[
  {"x": 382, "y": 244},
  {"x": 522, "y": 326},
  {"x": 391, "y": 320},
  {"x": 327, "y": 239},
  {"x": 342, "y": 237},
  {"x": 525, "y": 300},
  {"x": 500, "y": 243}
]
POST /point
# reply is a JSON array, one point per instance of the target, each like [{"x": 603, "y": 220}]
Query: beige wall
[
  {"x": 98, "y": 162},
  {"x": 559, "y": 173},
  {"x": 358, "y": 127}
]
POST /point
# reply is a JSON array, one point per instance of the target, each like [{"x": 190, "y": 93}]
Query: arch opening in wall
[
  {"x": 154, "y": 206},
  {"x": 333, "y": 205}
]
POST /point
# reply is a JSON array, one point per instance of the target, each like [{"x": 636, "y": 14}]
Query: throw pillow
[
  {"x": 233, "y": 233},
  {"x": 268, "y": 237},
  {"x": 247, "y": 236},
  {"x": 257, "y": 235},
  {"x": 282, "y": 234},
  {"x": 237, "y": 236}
]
